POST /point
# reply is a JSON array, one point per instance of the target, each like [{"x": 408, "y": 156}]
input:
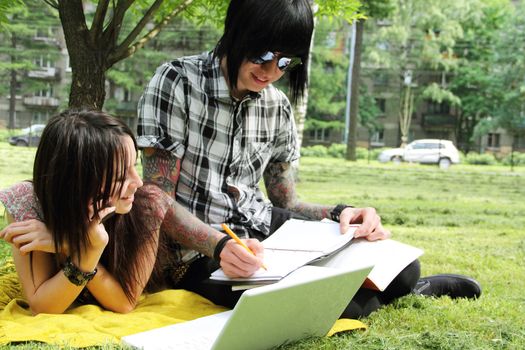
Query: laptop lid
[{"x": 306, "y": 303}]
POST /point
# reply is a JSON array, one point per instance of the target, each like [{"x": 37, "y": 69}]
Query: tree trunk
[
  {"x": 302, "y": 105},
  {"x": 88, "y": 62},
  {"x": 12, "y": 87},
  {"x": 12, "y": 100},
  {"x": 354, "y": 91}
]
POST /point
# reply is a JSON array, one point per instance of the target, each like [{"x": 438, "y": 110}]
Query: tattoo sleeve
[
  {"x": 161, "y": 168},
  {"x": 189, "y": 231},
  {"x": 280, "y": 187}
]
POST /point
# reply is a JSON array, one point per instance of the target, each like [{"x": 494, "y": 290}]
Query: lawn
[{"x": 468, "y": 219}]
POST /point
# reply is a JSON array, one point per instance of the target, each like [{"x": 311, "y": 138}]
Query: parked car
[
  {"x": 427, "y": 151},
  {"x": 26, "y": 139}
]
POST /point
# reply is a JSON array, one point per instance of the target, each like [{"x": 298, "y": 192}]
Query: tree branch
[
  {"x": 113, "y": 30},
  {"x": 125, "y": 52},
  {"x": 142, "y": 23},
  {"x": 52, "y": 3},
  {"x": 98, "y": 21}
]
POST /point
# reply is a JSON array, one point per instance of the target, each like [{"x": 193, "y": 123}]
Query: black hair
[
  {"x": 79, "y": 156},
  {"x": 253, "y": 27}
]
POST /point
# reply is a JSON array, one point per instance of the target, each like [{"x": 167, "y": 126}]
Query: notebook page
[
  {"x": 279, "y": 263},
  {"x": 320, "y": 236}
]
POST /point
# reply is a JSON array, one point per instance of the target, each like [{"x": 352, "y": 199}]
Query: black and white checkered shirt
[{"x": 224, "y": 144}]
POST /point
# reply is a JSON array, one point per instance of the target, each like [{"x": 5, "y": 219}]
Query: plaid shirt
[{"x": 224, "y": 144}]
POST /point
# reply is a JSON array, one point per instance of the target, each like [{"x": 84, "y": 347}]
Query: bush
[
  {"x": 337, "y": 150},
  {"x": 314, "y": 151},
  {"x": 518, "y": 159},
  {"x": 480, "y": 159}
]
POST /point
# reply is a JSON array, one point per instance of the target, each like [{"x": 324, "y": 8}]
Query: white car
[
  {"x": 428, "y": 151},
  {"x": 33, "y": 129}
]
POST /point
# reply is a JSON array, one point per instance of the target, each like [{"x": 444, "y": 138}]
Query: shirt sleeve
[
  {"x": 286, "y": 148},
  {"x": 162, "y": 111},
  {"x": 20, "y": 202}
]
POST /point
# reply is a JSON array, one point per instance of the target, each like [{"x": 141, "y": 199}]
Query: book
[
  {"x": 297, "y": 243},
  {"x": 389, "y": 257}
]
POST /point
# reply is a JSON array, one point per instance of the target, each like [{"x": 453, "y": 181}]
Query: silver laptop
[{"x": 305, "y": 303}]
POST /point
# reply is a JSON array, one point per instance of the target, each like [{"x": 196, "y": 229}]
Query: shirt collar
[{"x": 216, "y": 85}]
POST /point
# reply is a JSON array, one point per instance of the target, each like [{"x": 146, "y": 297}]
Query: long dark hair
[
  {"x": 79, "y": 156},
  {"x": 253, "y": 27}
]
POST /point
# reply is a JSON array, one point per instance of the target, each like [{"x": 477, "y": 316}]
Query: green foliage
[
  {"x": 319, "y": 151},
  {"x": 328, "y": 71},
  {"x": 508, "y": 71},
  {"x": 6, "y": 8},
  {"x": 368, "y": 112},
  {"x": 338, "y": 150},
  {"x": 517, "y": 158},
  {"x": 314, "y": 124},
  {"x": 436, "y": 93},
  {"x": 347, "y": 10},
  {"x": 480, "y": 159}
]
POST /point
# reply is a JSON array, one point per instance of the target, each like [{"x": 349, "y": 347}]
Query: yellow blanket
[{"x": 91, "y": 325}]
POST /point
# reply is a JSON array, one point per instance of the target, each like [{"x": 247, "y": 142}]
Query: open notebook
[
  {"x": 304, "y": 304},
  {"x": 294, "y": 244},
  {"x": 297, "y": 243}
]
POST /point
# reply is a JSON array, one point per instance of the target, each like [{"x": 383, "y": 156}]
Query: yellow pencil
[{"x": 238, "y": 240}]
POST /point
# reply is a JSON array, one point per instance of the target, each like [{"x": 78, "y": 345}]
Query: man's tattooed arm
[
  {"x": 189, "y": 231},
  {"x": 280, "y": 186},
  {"x": 161, "y": 168}
]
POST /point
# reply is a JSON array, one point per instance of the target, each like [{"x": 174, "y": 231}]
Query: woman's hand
[
  {"x": 30, "y": 235},
  {"x": 98, "y": 236}
]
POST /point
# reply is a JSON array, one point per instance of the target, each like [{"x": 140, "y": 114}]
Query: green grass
[{"x": 468, "y": 219}]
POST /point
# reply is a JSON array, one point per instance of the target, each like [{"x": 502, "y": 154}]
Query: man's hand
[
  {"x": 370, "y": 228},
  {"x": 238, "y": 262}
]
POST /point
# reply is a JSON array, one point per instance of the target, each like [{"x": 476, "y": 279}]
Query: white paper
[{"x": 389, "y": 258}]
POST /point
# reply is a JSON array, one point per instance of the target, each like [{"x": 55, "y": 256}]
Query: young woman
[{"x": 89, "y": 250}]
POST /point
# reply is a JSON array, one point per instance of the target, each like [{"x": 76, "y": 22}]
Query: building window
[
  {"x": 320, "y": 135},
  {"x": 381, "y": 79},
  {"x": 519, "y": 142},
  {"x": 68, "y": 64},
  {"x": 47, "y": 91},
  {"x": 438, "y": 108},
  {"x": 44, "y": 62},
  {"x": 381, "y": 104},
  {"x": 43, "y": 32},
  {"x": 377, "y": 139},
  {"x": 493, "y": 140},
  {"x": 40, "y": 117}
]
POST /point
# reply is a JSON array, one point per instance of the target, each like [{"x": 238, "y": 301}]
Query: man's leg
[
  {"x": 366, "y": 300},
  {"x": 196, "y": 280}
]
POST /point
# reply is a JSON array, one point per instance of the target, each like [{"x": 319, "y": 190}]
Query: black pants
[{"x": 362, "y": 304}]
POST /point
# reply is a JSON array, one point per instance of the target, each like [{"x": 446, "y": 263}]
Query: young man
[{"x": 212, "y": 126}]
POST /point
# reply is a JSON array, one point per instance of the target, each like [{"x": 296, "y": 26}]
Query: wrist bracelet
[
  {"x": 336, "y": 212},
  {"x": 219, "y": 247},
  {"x": 75, "y": 275}
]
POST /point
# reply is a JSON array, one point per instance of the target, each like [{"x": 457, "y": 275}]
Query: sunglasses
[{"x": 283, "y": 63}]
